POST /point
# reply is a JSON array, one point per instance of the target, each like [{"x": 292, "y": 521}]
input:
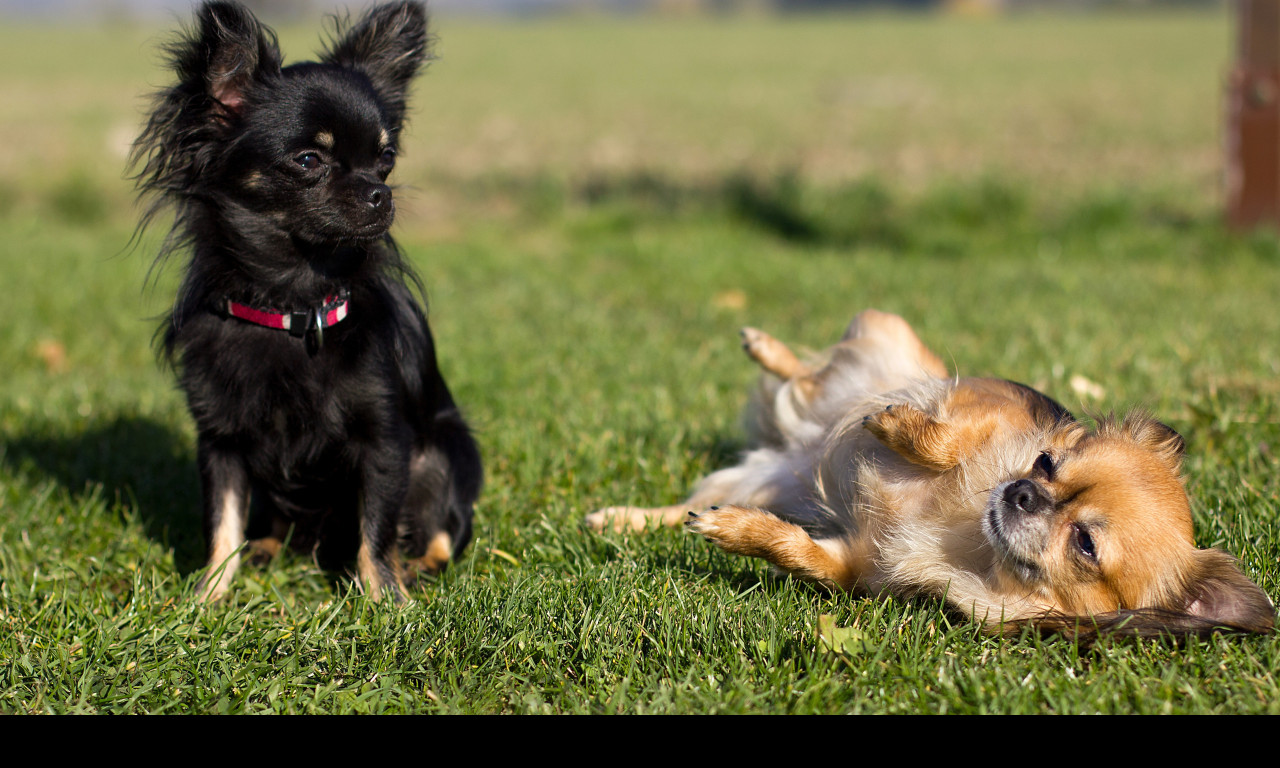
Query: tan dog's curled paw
[
  {"x": 915, "y": 436},
  {"x": 895, "y": 423}
]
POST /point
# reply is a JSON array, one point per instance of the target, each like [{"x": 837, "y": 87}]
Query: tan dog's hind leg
[
  {"x": 620, "y": 519},
  {"x": 773, "y": 355},
  {"x": 776, "y": 358},
  {"x": 892, "y": 331},
  {"x": 756, "y": 533}
]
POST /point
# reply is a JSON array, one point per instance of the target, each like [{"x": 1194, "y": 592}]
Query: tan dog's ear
[
  {"x": 1156, "y": 437},
  {"x": 1220, "y": 594}
]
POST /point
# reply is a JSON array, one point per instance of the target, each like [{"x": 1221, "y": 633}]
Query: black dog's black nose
[
  {"x": 378, "y": 197},
  {"x": 1026, "y": 496}
]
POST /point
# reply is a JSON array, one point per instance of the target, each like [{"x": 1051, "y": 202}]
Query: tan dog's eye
[
  {"x": 1084, "y": 542},
  {"x": 1043, "y": 466}
]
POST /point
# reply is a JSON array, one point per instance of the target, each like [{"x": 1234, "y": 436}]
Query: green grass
[{"x": 1047, "y": 211}]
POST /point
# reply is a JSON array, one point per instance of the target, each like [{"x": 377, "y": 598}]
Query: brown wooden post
[{"x": 1253, "y": 117}]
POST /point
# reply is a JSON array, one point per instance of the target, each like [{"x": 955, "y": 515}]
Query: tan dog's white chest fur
[{"x": 874, "y": 471}]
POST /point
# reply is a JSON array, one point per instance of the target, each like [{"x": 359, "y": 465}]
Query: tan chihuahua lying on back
[{"x": 877, "y": 471}]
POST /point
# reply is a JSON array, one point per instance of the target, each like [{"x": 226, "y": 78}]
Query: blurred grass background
[
  {"x": 597, "y": 205},
  {"x": 1064, "y": 103}
]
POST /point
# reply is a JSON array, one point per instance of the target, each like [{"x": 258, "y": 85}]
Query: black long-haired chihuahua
[{"x": 307, "y": 363}]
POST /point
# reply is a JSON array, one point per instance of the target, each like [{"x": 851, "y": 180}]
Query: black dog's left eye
[
  {"x": 308, "y": 160},
  {"x": 388, "y": 156}
]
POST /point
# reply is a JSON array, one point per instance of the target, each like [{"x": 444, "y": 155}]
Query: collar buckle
[{"x": 298, "y": 322}]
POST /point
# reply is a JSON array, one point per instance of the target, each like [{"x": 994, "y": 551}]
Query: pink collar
[{"x": 333, "y": 311}]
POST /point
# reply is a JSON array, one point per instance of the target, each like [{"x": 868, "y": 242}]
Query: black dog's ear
[
  {"x": 218, "y": 63},
  {"x": 232, "y": 50},
  {"x": 389, "y": 44}
]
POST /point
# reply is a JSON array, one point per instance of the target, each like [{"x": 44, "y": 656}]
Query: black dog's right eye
[
  {"x": 308, "y": 160},
  {"x": 1043, "y": 466}
]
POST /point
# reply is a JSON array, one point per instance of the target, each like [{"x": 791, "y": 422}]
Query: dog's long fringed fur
[
  {"x": 307, "y": 362},
  {"x": 876, "y": 471}
]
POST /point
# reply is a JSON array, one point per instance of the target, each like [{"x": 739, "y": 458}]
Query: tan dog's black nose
[{"x": 1026, "y": 496}]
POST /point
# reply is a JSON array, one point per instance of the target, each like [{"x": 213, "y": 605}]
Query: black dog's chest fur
[
  {"x": 247, "y": 380},
  {"x": 287, "y": 410},
  {"x": 306, "y": 414}
]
